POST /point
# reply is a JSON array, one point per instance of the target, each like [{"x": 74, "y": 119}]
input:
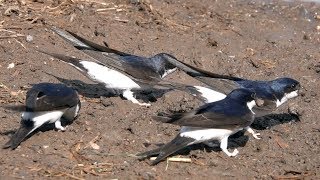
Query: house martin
[
  {"x": 212, "y": 121},
  {"x": 115, "y": 69},
  {"x": 46, "y": 103},
  {"x": 274, "y": 92}
]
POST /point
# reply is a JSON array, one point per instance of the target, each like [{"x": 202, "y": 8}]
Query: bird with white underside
[
  {"x": 46, "y": 103},
  {"x": 115, "y": 69},
  {"x": 274, "y": 92},
  {"x": 212, "y": 121}
]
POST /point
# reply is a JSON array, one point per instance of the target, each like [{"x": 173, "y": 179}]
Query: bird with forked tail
[
  {"x": 274, "y": 93},
  {"x": 115, "y": 69},
  {"x": 213, "y": 121}
]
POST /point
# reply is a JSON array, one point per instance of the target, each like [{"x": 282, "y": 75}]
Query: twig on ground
[
  {"x": 175, "y": 159},
  {"x": 20, "y": 43},
  {"x": 12, "y": 36},
  {"x": 92, "y": 143}
]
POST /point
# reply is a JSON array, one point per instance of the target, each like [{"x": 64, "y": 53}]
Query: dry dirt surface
[{"x": 259, "y": 40}]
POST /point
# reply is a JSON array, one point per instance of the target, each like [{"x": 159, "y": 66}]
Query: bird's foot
[
  {"x": 59, "y": 126},
  {"x": 254, "y": 134},
  {"x": 234, "y": 153},
  {"x": 129, "y": 96}
]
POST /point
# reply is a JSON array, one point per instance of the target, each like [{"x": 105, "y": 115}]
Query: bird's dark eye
[{"x": 293, "y": 85}]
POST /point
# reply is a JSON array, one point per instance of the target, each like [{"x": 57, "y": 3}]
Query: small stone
[
  {"x": 106, "y": 102},
  {"x": 29, "y": 38},
  {"x": 307, "y": 100},
  {"x": 212, "y": 43},
  {"x": 293, "y": 109},
  {"x": 306, "y": 37},
  {"x": 313, "y": 94},
  {"x": 260, "y": 102},
  {"x": 12, "y": 10},
  {"x": 318, "y": 27},
  {"x": 147, "y": 175},
  {"x": 10, "y": 66}
]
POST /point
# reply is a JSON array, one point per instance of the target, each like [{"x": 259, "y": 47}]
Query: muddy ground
[{"x": 251, "y": 39}]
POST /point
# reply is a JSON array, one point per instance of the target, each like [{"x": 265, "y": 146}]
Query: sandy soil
[{"x": 251, "y": 39}]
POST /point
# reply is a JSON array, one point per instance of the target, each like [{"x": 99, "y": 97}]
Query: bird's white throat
[
  {"x": 251, "y": 104},
  {"x": 286, "y": 97}
]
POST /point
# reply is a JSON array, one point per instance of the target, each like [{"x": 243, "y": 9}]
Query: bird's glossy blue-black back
[
  {"x": 51, "y": 89},
  {"x": 261, "y": 88},
  {"x": 235, "y": 104},
  {"x": 156, "y": 65}
]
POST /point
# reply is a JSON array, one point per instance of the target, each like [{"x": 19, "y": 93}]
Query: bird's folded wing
[
  {"x": 136, "y": 68},
  {"x": 205, "y": 120},
  {"x": 195, "y": 71},
  {"x": 224, "y": 86},
  {"x": 222, "y": 83},
  {"x": 84, "y": 44},
  {"x": 38, "y": 101}
]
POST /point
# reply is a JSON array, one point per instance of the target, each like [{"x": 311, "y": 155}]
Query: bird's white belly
[
  {"x": 109, "y": 77},
  {"x": 40, "y": 118},
  {"x": 210, "y": 95},
  {"x": 203, "y": 134}
]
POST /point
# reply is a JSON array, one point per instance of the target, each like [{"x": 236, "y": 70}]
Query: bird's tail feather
[
  {"x": 173, "y": 146},
  {"x": 18, "y": 137},
  {"x": 195, "y": 71},
  {"x": 147, "y": 154},
  {"x": 164, "y": 84},
  {"x": 168, "y": 118},
  {"x": 19, "y": 108},
  {"x": 84, "y": 44},
  {"x": 75, "y": 62}
]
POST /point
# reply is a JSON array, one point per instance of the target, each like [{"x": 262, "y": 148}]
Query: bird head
[{"x": 285, "y": 89}]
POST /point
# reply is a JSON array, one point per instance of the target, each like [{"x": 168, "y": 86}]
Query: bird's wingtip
[
  {"x": 161, "y": 118},
  {"x": 11, "y": 144}
]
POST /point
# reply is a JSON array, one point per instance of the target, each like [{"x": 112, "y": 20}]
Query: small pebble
[
  {"x": 10, "y": 66},
  {"x": 294, "y": 110},
  {"x": 29, "y": 38},
  {"x": 106, "y": 102}
]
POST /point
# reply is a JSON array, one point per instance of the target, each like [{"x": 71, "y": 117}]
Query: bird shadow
[
  {"x": 99, "y": 90},
  {"x": 234, "y": 141},
  {"x": 268, "y": 121}
]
